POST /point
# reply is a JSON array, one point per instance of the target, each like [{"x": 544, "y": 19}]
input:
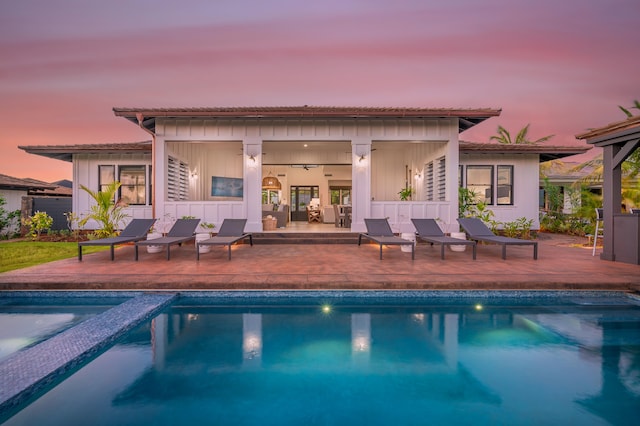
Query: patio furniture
[
  {"x": 598, "y": 233},
  {"x": 313, "y": 214},
  {"x": 136, "y": 230},
  {"x": 379, "y": 231},
  {"x": 339, "y": 216},
  {"x": 429, "y": 231},
  {"x": 181, "y": 231},
  {"x": 231, "y": 231},
  {"x": 478, "y": 231}
]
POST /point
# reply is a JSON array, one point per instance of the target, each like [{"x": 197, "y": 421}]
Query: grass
[{"x": 22, "y": 254}]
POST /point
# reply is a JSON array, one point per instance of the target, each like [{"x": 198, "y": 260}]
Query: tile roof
[{"x": 10, "y": 182}]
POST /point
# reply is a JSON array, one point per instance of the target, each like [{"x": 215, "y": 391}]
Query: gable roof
[
  {"x": 146, "y": 117},
  {"x": 546, "y": 152}
]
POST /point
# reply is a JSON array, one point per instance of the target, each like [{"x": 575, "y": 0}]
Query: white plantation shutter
[
  {"x": 177, "y": 180},
  {"x": 442, "y": 179}
]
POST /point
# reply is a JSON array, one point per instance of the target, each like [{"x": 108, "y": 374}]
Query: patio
[{"x": 564, "y": 263}]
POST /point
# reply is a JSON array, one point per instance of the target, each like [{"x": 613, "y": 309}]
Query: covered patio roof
[
  {"x": 146, "y": 117},
  {"x": 619, "y": 140},
  {"x": 546, "y": 152}
]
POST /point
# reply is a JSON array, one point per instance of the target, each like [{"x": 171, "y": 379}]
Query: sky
[{"x": 561, "y": 66}]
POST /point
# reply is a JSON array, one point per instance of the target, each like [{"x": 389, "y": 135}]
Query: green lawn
[{"x": 21, "y": 254}]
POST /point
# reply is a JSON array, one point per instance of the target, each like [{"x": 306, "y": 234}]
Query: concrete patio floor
[{"x": 563, "y": 263}]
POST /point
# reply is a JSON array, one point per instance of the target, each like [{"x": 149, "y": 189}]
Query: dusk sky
[{"x": 562, "y": 66}]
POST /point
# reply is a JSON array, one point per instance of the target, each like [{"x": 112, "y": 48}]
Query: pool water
[
  {"x": 25, "y": 322},
  {"x": 497, "y": 362}
]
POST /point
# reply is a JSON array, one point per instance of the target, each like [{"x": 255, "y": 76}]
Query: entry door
[{"x": 300, "y": 198}]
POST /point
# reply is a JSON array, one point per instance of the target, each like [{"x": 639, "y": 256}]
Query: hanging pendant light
[{"x": 271, "y": 182}]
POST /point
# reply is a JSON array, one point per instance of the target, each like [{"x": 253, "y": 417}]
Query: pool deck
[{"x": 564, "y": 263}]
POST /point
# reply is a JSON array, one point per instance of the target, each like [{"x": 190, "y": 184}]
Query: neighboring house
[
  {"x": 27, "y": 195},
  {"x": 217, "y": 163}
]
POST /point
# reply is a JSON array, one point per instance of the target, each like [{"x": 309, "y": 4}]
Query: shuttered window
[{"x": 177, "y": 180}]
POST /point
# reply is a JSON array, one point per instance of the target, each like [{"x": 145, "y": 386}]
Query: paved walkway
[{"x": 563, "y": 263}]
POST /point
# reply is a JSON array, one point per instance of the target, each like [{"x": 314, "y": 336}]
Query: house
[
  {"x": 217, "y": 163},
  {"x": 30, "y": 195}
]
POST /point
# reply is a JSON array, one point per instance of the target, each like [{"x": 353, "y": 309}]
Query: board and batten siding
[{"x": 85, "y": 172}]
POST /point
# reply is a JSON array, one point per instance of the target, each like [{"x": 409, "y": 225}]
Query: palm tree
[
  {"x": 105, "y": 211},
  {"x": 503, "y": 136},
  {"x": 636, "y": 105}
]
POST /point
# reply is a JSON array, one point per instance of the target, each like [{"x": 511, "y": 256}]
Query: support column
[
  {"x": 611, "y": 198},
  {"x": 252, "y": 192},
  {"x": 360, "y": 183}
]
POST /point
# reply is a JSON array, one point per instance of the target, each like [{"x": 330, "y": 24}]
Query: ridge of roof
[{"x": 307, "y": 110}]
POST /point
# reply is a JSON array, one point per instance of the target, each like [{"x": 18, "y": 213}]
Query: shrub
[{"x": 39, "y": 222}]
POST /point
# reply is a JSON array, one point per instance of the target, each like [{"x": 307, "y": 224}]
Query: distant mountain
[{"x": 64, "y": 182}]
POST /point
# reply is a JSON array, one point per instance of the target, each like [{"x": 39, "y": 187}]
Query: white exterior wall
[
  {"x": 252, "y": 132},
  {"x": 85, "y": 172},
  {"x": 526, "y": 170},
  {"x": 13, "y": 199}
]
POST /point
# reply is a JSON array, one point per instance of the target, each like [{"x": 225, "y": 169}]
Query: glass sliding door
[{"x": 300, "y": 198}]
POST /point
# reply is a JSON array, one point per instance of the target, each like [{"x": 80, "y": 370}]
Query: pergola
[{"x": 618, "y": 140}]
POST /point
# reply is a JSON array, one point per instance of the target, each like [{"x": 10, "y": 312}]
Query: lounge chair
[
  {"x": 379, "y": 231},
  {"x": 136, "y": 230},
  {"x": 181, "y": 231},
  {"x": 429, "y": 231},
  {"x": 231, "y": 231},
  {"x": 478, "y": 231}
]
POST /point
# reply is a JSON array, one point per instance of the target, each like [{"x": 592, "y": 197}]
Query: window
[
  {"x": 340, "y": 194},
  {"x": 106, "y": 176},
  {"x": 505, "y": 185},
  {"x": 480, "y": 182},
  {"x": 177, "y": 180},
  {"x": 133, "y": 182}
]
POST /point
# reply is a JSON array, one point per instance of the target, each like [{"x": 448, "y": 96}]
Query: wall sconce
[
  {"x": 251, "y": 161},
  {"x": 194, "y": 174},
  {"x": 418, "y": 175},
  {"x": 362, "y": 158}
]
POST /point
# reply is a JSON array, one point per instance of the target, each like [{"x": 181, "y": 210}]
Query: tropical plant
[
  {"x": 8, "y": 219},
  {"x": 522, "y": 138},
  {"x": 636, "y": 105},
  {"x": 37, "y": 223},
  {"x": 470, "y": 206},
  {"x": 519, "y": 228},
  {"x": 207, "y": 226},
  {"x": 105, "y": 211},
  {"x": 405, "y": 193}
]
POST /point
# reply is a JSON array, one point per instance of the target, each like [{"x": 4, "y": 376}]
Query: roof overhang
[
  {"x": 545, "y": 152},
  {"x": 66, "y": 152},
  {"x": 613, "y": 133},
  {"x": 146, "y": 117}
]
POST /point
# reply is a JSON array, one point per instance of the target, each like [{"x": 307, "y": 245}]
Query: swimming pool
[{"x": 469, "y": 359}]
